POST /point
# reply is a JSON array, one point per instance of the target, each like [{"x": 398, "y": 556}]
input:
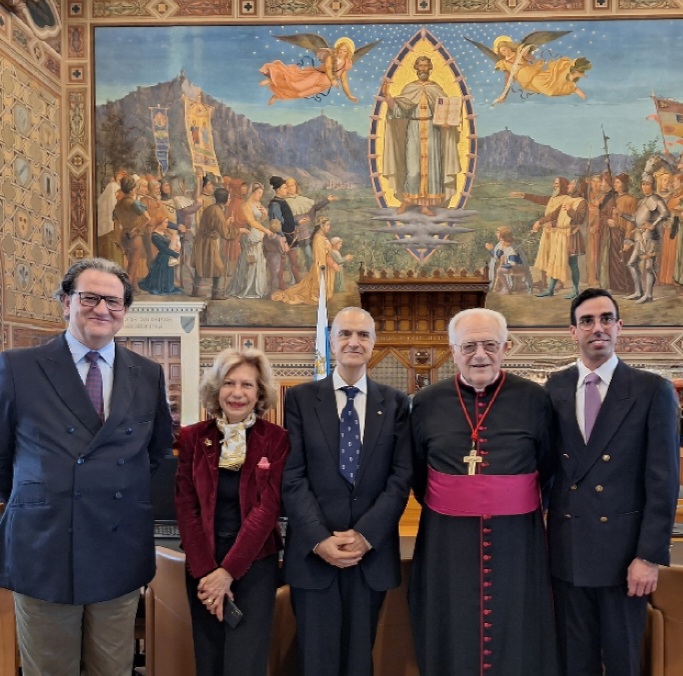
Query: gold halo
[
  {"x": 500, "y": 39},
  {"x": 346, "y": 41}
]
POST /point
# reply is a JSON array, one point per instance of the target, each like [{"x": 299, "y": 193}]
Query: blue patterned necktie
[
  {"x": 93, "y": 383},
  {"x": 349, "y": 437}
]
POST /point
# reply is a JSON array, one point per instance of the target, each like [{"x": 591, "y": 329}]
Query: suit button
[
  {"x": 354, "y": 499},
  {"x": 567, "y": 516},
  {"x": 606, "y": 457},
  {"x": 120, "y": 461},
  {"x": 80, "y": 460},
  {"x": 118, "y": 495},
  {"x": 70, "y": 430},
  {"x": 566, "y": 456},
  {"x": 69, "y": 530},
  {"x": 603, "y": 519},
  {"x": 599, "y": 489},
  {"x": 129, "y": 430},
  {"x": 77, "y": 495},
  {"x": 573, "y": 487}
]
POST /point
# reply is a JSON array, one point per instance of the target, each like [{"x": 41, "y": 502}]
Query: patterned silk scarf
[{"x": 234, "y": 444}]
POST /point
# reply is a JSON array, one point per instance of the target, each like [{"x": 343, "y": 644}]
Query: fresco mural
[{"x": 232, "y": 162}]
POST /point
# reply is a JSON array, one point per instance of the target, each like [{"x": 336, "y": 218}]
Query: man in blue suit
[
  {"x": 83, "y": 423},
  {"x": 345, "y": 486},
  {"x": 614, "y": 496}
]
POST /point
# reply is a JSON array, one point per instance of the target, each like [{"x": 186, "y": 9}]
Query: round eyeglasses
[
  {"x": 608, "y": 320},
  {"x": 490, "y": 346}
]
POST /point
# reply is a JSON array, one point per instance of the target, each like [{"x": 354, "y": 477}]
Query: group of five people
[{"x": 494, "y": 589}]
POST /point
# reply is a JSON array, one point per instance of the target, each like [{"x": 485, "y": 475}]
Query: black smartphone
[{"x": 231, "y": 613}]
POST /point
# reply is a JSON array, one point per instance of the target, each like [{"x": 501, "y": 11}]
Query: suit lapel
[
  {"x": 328, "y": 418},
  {"x": 613, "y": 411},
  {"x": 126, "y": 375},
  {"x": 566, "y": 411},
  {"x": 375, "y": 416},
  {"x": 209, "y": 443},
  {"x": 58, "y": 366}
]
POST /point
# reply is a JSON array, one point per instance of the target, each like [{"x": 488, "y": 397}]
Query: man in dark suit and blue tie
[
  {"x": 83, "y": 423},
  {"x": 345, "y": 486},
  {"x": 613, "y": 500}
]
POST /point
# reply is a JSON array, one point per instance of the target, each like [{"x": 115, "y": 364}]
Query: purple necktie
[
  {"x": 592, "y": 402},
  {"x": 349, "y": 437},
  {"x": 93, "y": 383}
]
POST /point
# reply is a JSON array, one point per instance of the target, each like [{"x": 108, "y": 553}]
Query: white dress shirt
[
  {"x": 105, "y": 362},
  {"x": 605, "y": 372},
  {"x": 359, "y": 402}
]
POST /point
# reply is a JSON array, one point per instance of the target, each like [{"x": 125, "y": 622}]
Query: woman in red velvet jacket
[{"x": 227, "y": 502}]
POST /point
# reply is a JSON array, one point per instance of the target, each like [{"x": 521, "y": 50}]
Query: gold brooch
[{"x": 208, "y": 442}]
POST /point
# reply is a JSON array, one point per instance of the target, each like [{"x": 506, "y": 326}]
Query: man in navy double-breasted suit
[
  {"x": 342, "y": 545},
  {"x": 614, "y": 496},
  {"x": 82, "y": 424}
]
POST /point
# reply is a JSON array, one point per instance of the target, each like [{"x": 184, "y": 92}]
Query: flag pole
[{"x": 322, "y": 351}]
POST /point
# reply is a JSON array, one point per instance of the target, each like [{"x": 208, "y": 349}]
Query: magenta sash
[{"x": 482, "y": 494}]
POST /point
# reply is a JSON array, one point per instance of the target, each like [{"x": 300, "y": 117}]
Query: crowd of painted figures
[
  {"x": 595, "y": 232},
  {"x": 172, "y": 239}
]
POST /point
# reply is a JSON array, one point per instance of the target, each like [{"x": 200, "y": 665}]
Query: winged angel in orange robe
[
  {"x": 290, "y": 81},
  {"x": 556, "y": 77}
]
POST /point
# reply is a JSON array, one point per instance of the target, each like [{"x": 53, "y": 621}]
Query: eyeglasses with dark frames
[{"x": 87, "y": 299}]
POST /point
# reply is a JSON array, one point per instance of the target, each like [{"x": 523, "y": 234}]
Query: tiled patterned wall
[{"x": 31, "y": 176}]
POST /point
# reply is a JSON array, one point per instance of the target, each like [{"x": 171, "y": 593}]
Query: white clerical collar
[{"x": 483, "y": 389}]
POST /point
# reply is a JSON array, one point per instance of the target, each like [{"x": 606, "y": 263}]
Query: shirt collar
[
  {"x": 605, "y": 371},
  {"x": 339, "y": 382},
  {"x": 78, "y": 350}
]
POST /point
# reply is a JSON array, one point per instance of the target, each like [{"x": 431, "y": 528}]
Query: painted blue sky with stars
[{"x": 631, "y": 59}]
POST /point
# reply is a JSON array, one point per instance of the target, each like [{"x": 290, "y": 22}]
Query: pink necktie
[
  {"x": 592, "y": 402},
  {"x": 93, "y": 383}
]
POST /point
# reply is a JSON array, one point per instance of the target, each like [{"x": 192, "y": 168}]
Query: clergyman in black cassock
[{"x": 480, "y": 594}]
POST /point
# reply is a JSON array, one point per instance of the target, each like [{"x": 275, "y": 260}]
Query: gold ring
[{"x": 210, "y": 602}]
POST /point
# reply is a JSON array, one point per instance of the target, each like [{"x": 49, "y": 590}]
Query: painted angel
[
  {"x": 290, "y": 81},
  {"x": 555, "y": 77}
]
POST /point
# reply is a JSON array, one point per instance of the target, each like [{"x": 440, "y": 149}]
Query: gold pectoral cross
[{"x": 471, "y": 460}]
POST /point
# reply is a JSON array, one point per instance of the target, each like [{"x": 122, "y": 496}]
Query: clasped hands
[
  {"x": 343, "y": 549},
  {"x": 213, "y": 588}
]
